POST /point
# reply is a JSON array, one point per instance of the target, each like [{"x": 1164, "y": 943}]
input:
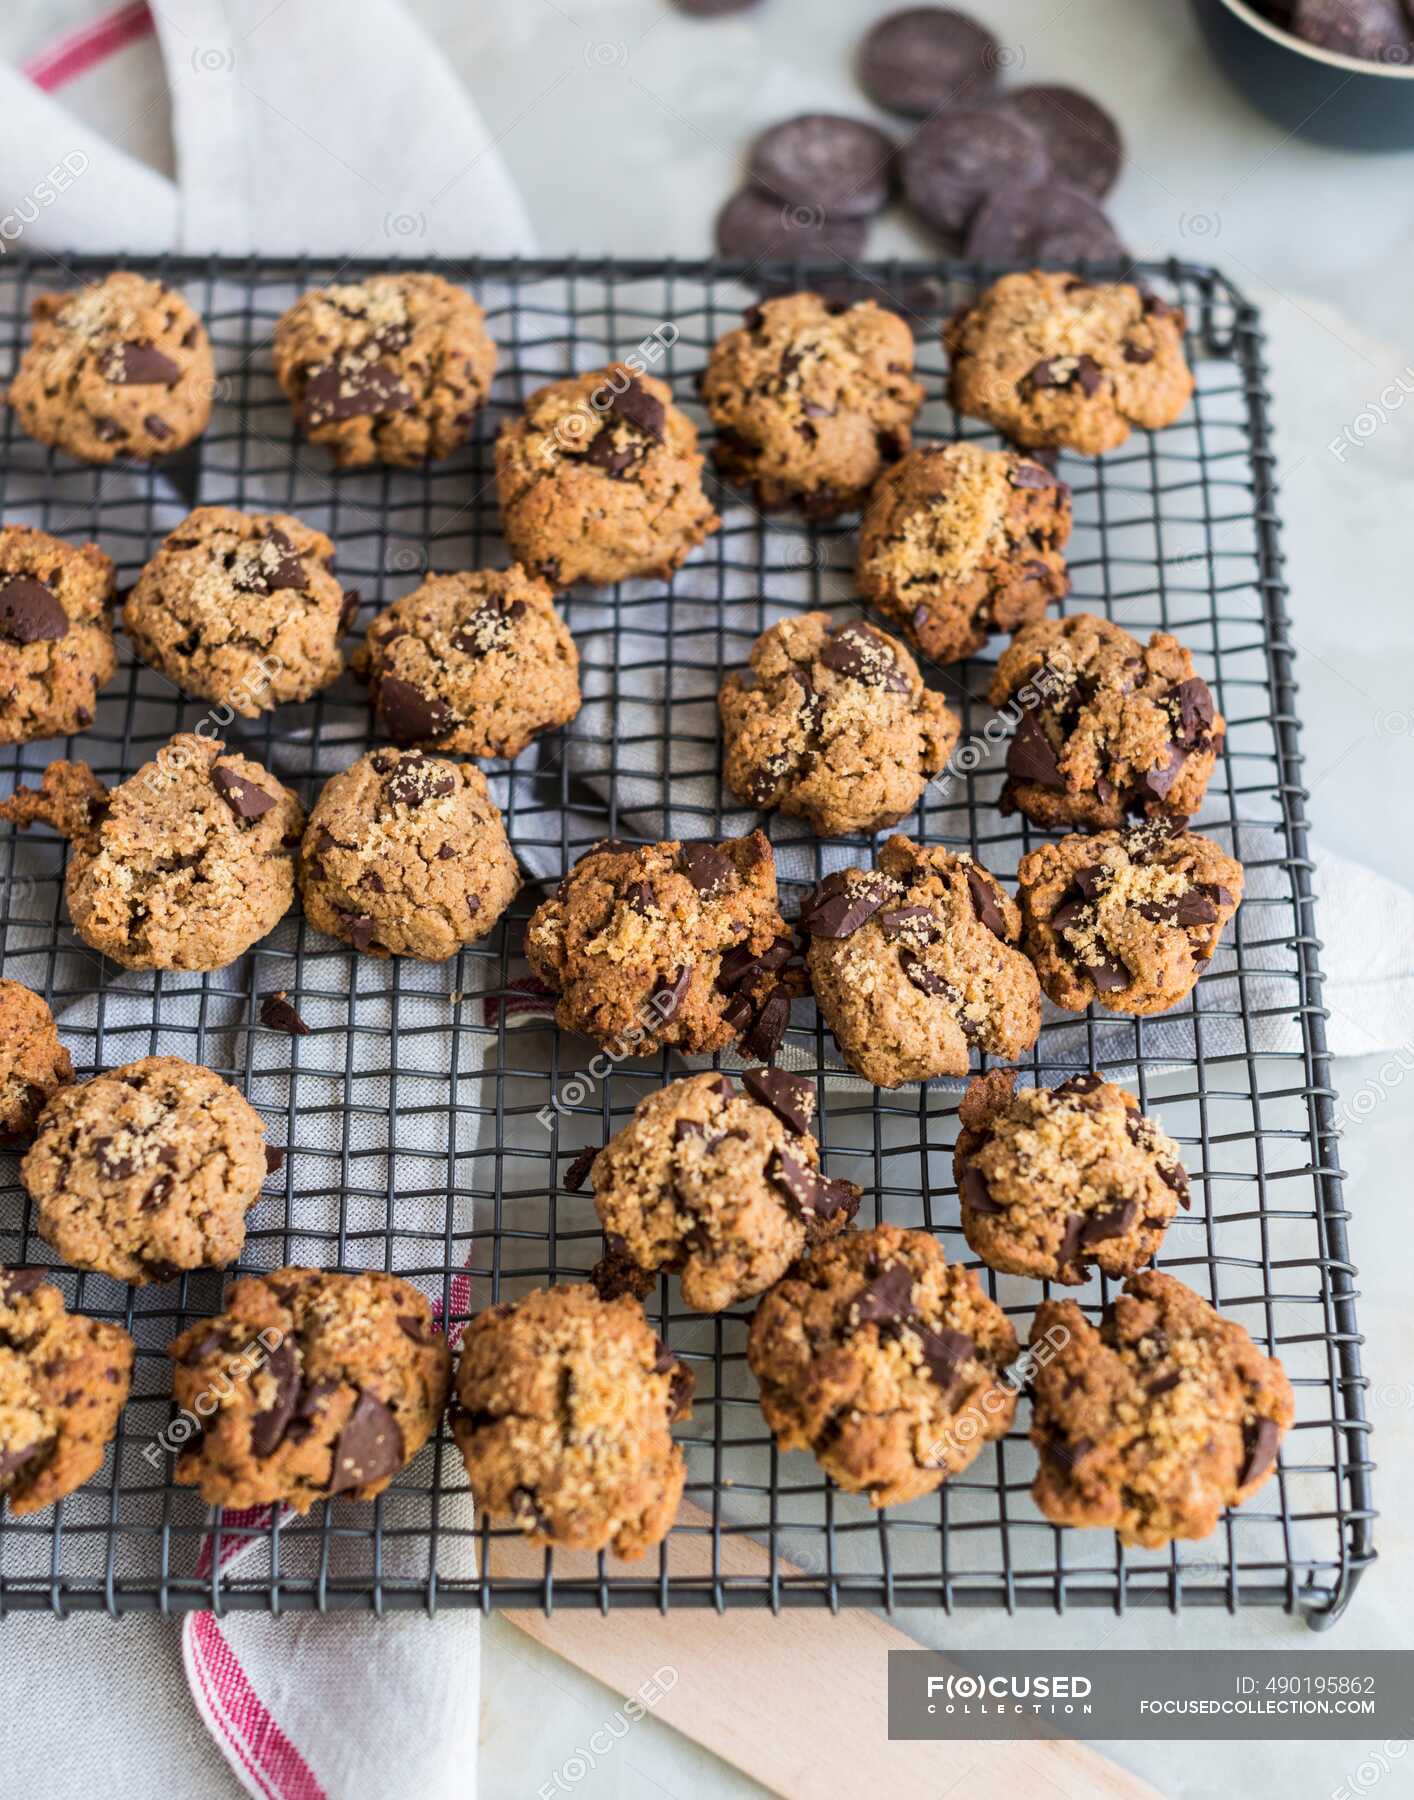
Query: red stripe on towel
[{"x": 83, "y": 50}]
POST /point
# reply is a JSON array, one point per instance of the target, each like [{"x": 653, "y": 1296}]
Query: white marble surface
[{"x": 624, "y": 124}]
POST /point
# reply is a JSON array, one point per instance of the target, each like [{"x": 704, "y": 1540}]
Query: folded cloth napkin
[{"x": 325, "y": 127}]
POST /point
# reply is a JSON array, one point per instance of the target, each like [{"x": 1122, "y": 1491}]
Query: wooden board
[{"x": 798, "y": 1700}]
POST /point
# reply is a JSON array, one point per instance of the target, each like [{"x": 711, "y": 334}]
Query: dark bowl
[{"x": 1314, "y": 93}]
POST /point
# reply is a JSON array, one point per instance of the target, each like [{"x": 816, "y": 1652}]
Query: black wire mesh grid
[{"x": 431, "y": 1114}]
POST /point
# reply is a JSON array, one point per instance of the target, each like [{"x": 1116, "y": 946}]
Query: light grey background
[{"x": 624, "y": 122}]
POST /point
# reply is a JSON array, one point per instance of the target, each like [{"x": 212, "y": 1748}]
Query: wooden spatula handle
[{"x": 798, "y": 1701}]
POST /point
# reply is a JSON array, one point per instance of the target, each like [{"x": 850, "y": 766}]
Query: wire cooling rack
[{"x": 432, "y": 1112}]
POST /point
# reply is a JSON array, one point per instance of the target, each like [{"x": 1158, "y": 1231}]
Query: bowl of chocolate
[{"x": 1340, "y": 72}]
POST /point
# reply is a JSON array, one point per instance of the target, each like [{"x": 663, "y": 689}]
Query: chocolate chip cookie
[
  {"x": 1106, "y": 727},
  {"x": 242, "y": 608},
  {"x": 915, "y": 963},
  {"x": 56, "y": 636},
  {"x": 723, "y": 1187},
  {"x": 1055, "y": 1179},
  {"x": 406, "y": 855},
  {"x": 390, "y": 369},
  {"x": 811, "y": 399},
  {"x": 600, "y": 479},
  {"x": 184, "y": 865},
  {"x": 1055, "y": 361},
  {"x": 833, "y": 724},
  {"x": 563, "y": 1407},
  {"x": 34, "y": 1065},
  {"x": 669, "y": 944},
  {"x": 120, "y": 368},
  {"x": 63, "y": 1382},
  {"x": 958, "y": 542},
  {"x": 884, "y": 1361},
  {"x": 1128, "y": 919},
  {"x": 478, "y": 663},
  {"x": 146, "y": 1171},
  {"x": 306, "y": 1386},
  {"x": 1155, "y": 1421}
]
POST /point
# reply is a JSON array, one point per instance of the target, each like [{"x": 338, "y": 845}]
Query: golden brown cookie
[
  {"x": 184, "y": 865},
  {"x": 242, "y": 608},
  {"x": 34, "y": 1065},
  {"x": 916, "y": 962},
  {"x": 669, "y": 944},
  {"x": 563, "y": 1409},
  {"x": 1055, "y": 1179},
  {"x": 723, "y": 1187},
  {"x": 1055, "y": 361},
  {"x": 600, "y": 479},
  {"x": 883, "y": 1359},
  {"x": 147, "y": 1170},
  {"x": 1106, "y": 727},
  {"x": 63, "y": 1382},
  {"x": 390, "y": 369},
  {"x": 56, "y": 636},
  {"x": 958, "y": 542},
  {"x": 811, "y": 399},
  {"x": 406, "y": 855},
  {"x": 1128, "y": 919},
  {"x": 478, "y": 663},
  {"x": 833, "y": 724},
  {"x": 1155, "y": 1421},
  {"x": 308, "y": 1385},
  {"x": 120, "y": 368}
]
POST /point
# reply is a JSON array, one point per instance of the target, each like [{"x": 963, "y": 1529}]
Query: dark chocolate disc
[
  {"x": 956, "y": 161},
  {"x": 843, "y": 167},
  {"x": 926, "y": 57}
]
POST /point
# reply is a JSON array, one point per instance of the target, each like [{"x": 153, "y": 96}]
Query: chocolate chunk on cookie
[
  {"x": 406, "y": 855},
  {"x": 64, "y": 1379},
  {"x": 811, "y": 399},
  {"x": 724, "y": 1188},
  {"x": 1107, "y": 727},
  {"x": 478, "y": 663},
  {"x": 563, "y": 1409},
  {"x": 121, "y": 368},
  {"x": 958, "y": 542},
  {"x": 146, "y": 1170},
  {"x": 1128, "y": 919},
  {"x": 833, "y": 724},
  {"x": 328, "y": 1384},
  {"x": 600, "y": 479},
  {"x": 916, "y": 963},
  {"x": 885, "y": 1361},
  {"x": 184, "y": 865},
  {"x": 1053, "y": 1180},
  {"x": 1053, "y": 361},
  {"x": 241, "y": 608},
  {"x": 671, "y": 944},
  {"x": 390, "y": 369},
  {"x": 1152, "y": 1422},
  {"x": 56, "y": 636}
]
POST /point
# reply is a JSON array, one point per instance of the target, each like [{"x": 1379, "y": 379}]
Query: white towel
[{"x": 330, "y": 126}]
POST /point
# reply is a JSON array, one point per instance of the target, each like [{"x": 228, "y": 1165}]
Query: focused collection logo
[{"x": 1054, "y": 1696}]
